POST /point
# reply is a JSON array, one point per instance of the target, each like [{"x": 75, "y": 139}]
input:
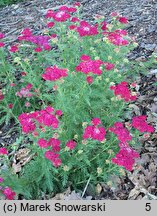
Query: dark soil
[{"x": 142, "y": 14}]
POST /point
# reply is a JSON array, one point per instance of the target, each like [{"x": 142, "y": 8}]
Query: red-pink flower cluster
[
  {"x": 72, "y": 27},
  {"x": 122, "y": 133},
  {"x": 54, "y": 158},
  {"x": 116, "y": 37},
  {"x": 54, "y": 73},
  {"x": 77, "y": 4},
  {"x": 85, "y": 29},
  {"x": 95, "y": 131},
  {"x": 59, "y": 112},
  {"x": 68, "y": 9},
  {"x": 1, "y": 44},
  {"x": 89, "y": 66},
  {"x": 89, "y": 79},
  {"x": 126, "y": 158},
  {"x": 62, "y": 15},
  {"x": 75, "y": 19},
  {"x": 42, "y": 143},
  {"x": 41, "y": 41},
  {"x": 14, "y": 48},
  {"x": 1, "y": 96},
  {"x": 45, "y": 117},
  {"x": 114, "y": 14},
  {"x": 71, "y": 144},
  {"x": 1, "y": 37},
  {"x": 1, "y": 179},
  {"x": 9, "y": 193},
  {"x": 25, "y": 92},
  {"x": 3, "y": 151},
  {"x": 104, "y": 26},
  {"x": 123, "y": 20},
  {"x": 126, "y": 155},
  {"x": 10, "y": 106},
  {"x": 51, "y": 154},
  {"x": 108, "y": 66},
  {"x": 123, "y": 91},
  {"x": 50, "y": 24},
  {"x": 139, "y": 122},
  {"x": 55, "y": 144}
]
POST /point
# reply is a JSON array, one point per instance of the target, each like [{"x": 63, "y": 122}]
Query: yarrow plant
[{"x": 67, "y": 91}]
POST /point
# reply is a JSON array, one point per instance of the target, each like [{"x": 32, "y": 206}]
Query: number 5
[{"x": 148, "y": 207}]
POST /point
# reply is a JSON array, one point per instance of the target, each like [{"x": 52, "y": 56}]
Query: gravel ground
[{"x": 142, "y": 15}]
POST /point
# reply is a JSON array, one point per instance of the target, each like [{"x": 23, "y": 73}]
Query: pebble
[
  {"x": 151, "y": 29},
  {"x": 150, "y": 47},
  {"x": 153, "y": 71}
]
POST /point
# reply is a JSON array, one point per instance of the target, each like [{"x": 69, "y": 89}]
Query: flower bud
[
  {"x": 80, "y": 151},
  {"x": 99, "y": 170},
  {"x": 66, "y": 168},
  {"x": 125, "y": 60},
  {"x": 17, "y": 60},
  {"x": 75, "y": 136},
  {"x": 97, "y": 58},
  {"x": 109, "y": 57},
  {"x": 107, "y": 80}
]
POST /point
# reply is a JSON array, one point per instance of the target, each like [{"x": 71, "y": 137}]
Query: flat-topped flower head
[
  {"x": 25, "y": 91},
  {"x": 85, "y": 29},
  {"x": 68, "y": 9},
  {"x": 49, "y": 14},
  {"x": 9, "y": 193},
  {"x": 41, "y": 41},
  {"x": 53, "y": 157},
  {"x": 2, "y": 44},
  {"x": 14, "y": 48},
  {"x": 104, "y": 26},
  {"x": 59, "y": 16},
  {"x": 123, "y": 91},
  {"x": 1, "y": 179},
  {"x": 122, "y": 133},
  {"x": 1, "y": 96},
  {"x": 75, "y": 19},
  {"x": 3, "y": 151},
  {"x": 54, "y": 73},
  {"x": 55, "y": 143},
  {"x": 96, "y": 121},
  {"x": 77, "y": 4},
  {"x": 140, "y": 123},
  {"x": 42, "y": 143},
  {"x": 71, "y": 144},
  {"x": 126, "y": 158},
  {"x": 89, "y": 66},
  {"x": 2, "y": 35},
  {"x": 114, "y": 14},
  {"x": 26, "y": 32},
  {"x": 89, "y": 79},
  {"x": 95, "y": 132},
  {"x": 50, "y": 24},
  {"x": 117, "y": 37},
  {"x": 45, "y": 117},
  {"x": 122, "y": 20},
  {"x": 109, "y": 66}
]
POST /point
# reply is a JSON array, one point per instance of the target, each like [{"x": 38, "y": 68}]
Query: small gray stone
[
  {"x": 151, "y": 29},
  {"x": 153, "y": 71},
  {"x": 150, "y": 47}
]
